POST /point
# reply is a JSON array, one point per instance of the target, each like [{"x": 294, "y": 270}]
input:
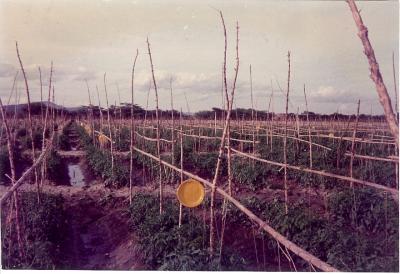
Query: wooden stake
[
  {"x": 158, "y": 129},
  {"x": 30, "y": 120},
  {"x": 224, "y": 133},
  {"x": 375, "y": 72},
  {"x": 181, "y": 171},
  {"x": 309, "y": 129},
  {"x": 352, "y": 143},
  {"x": 109, "y": 127},
  {"x": 10, "y": 147},
  {"x": 132, "y": 130},
  {"x": 285, "y": 139}
]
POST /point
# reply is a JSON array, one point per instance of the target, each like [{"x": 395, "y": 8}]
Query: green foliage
[
  {"x": 364, "y": 210},
  {"x": 44, "y": 232},
  {"x": 369, "y": 243},
  {"x": 165, "y": 246},
  {"x": 26, "y": 141},
  {"x": 249, "y": 175},
  {"x": 63, "y": 142},
  {"x": 123, "y": 139},
  {"x": 100, "y": 162},
  {"x": 332, "y": 160},
  {"x": 4, "y": 164},
  {"x": 21, "y": 132},
  {"x": 204, "y": 164},
  {"x": 56, "y": 168}
]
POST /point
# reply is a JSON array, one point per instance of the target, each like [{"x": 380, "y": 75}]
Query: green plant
[
  {"x": 56, "y": 168},
  {"x": 4, "y": 165},
  {"x": 165, "y": 246},
  {"x": 249, "y": 175},
  {"x": 44, "y": 232}
]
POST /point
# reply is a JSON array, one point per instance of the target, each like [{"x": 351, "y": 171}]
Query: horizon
[{"x": 125, "y": 105}]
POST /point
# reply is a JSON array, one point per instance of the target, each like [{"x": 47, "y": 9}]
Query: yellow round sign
[{"x": 190, "y": 193}]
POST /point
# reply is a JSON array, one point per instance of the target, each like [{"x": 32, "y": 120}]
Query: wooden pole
[
  {"x": 10, "y": 147},
  {"x": 352, "y": 142},
  {"x": 309, "y": 129},
  {"x": 29, "y": 119},
  {"x": 285, "y": 139},
  {"x": 252, "y": 110},
  {"x": 181, "y": 171},
  {"x": 100, "y": 110},
  {"x": 43, "y": 169},
  {"x": 395, "y": 89},
  {"x": 375, "y": 72},
  {"x": 224, "y": 133},
  {"x": 109, "y": 126},
  {"x": 132, "y": 130},
  {"x": 173, "y": 124},
  {"x": 158, "y": 129}
]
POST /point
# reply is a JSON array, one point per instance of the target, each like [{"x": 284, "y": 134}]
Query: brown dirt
[{"x": 98, "y": 220}]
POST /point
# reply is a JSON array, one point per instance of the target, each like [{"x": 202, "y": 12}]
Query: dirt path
[{"x": 99, "y": 235}]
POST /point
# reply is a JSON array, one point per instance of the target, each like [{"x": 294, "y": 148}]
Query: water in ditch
[{"x": 76, "y": 177}]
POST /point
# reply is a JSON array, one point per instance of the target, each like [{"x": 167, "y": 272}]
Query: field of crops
[{"x": 96, "y": 188}]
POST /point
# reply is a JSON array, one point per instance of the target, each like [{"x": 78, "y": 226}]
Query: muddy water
[
  {"x": 74, "y": 147},
  {"x": 75, "y": 174}
]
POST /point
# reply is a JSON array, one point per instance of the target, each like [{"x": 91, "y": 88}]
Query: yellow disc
[
  {"x": 190, "y": 193},
  {"x": 88, "y": 129}
]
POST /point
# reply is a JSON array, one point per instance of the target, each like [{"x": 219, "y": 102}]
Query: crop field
[{"x": 96, "y": 188}]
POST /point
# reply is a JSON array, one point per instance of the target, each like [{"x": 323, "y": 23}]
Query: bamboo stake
[
  {"x": 268, "y": 120},
  {"x": 109, "y": 127},
  {"x": 53, "y": 112},
  {"x": 395, "y": 88},
  {"x": 119, "y": 123},
  {"x": 158, "y": 129},
  {"x": 100, "y": 110},
  {"x": 132, "y": 130},
  {"x": 29, "y": 118},
  {"x": 147, "y": 103},
  {"x": 173, "y": 124},
  {"x": 43, "y": 170},
  {"x": 10, "y": 147},
  {"x": 181, "y": 171},
  {"x": 352, "y": 143},
  {"x": 222, "y": 145},
  {"x": 252, "y": 110},
  {"x": 394, "y": 192},
  {"x": 25, "y": 175},
  {"x": 272, "y": 115},
  {"x": 375, "y": 72},
  {"x": 91, "y": 112},
  {"x": 397, "y": 117},
  {"x": 41, "y": 94},
  {"x": 285, "y": 139},
  {"x": 309, "y": 129}
]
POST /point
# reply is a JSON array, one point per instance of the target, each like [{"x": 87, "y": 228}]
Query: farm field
[{"x": 96, "y": 187}]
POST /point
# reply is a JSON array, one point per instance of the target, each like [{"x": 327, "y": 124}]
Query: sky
[{"x": 85, "y": 39}]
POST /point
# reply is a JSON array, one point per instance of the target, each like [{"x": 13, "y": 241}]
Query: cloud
[
  {"x": 84, "y": 74},
  {"x": 330, "y": 94},
  {"x": 202, "y": 82},
  {"x": 60, "y": 73},
  {"x": 7, "y": 70}
]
